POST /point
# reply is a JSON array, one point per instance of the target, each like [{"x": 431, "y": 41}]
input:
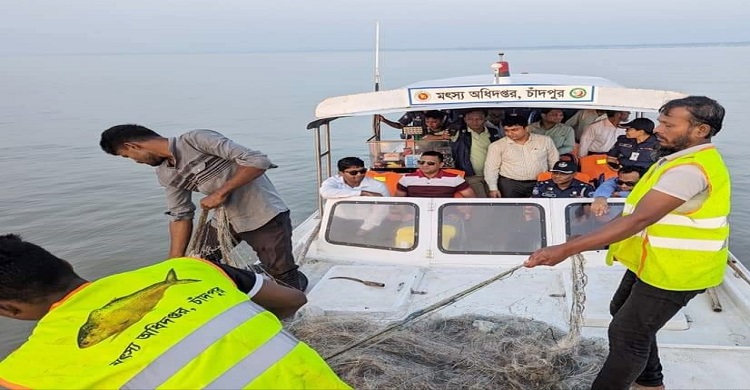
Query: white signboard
[{"x": 501, "y": 93}]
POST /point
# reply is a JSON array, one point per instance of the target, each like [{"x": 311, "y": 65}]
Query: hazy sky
[{"x": 148, "y": 26}]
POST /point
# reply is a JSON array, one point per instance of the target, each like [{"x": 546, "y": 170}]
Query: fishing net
[
  {"x": 472, "y": 352},
  {"x": 217, "y": 243},
  {"x": 467, "y": 352}
]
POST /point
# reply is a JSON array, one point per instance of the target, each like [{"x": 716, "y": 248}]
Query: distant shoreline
[{"x": 421, "y": 49}]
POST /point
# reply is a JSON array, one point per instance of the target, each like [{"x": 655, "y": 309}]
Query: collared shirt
[
  {"x": 548, "y": 189},
  {"x": 631, "y": 153},
  {"x": 562, "y": 135},
  {"x": 442, "y": 185},
  {"x": 335, "y": 187},
  {"x": 204, "y": 161},
  {"x": 608, "y": 188},
  {"x": 599, "y": 137},
  {"x": 516, "y": 161}
]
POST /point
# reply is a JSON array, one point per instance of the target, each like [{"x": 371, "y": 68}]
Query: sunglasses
[
  {"x": 627, "y": 183},
  {"x": 356, "y": 172},
  {"x": 430, "y": 163}
]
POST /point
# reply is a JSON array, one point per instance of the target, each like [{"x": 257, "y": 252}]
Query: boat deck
[{"x": 718, "y": 343}]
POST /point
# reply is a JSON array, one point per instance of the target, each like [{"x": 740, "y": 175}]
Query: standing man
[
  {"x": 230, "y": 174},
  {"x": 514, "y": 162},
  {"x": 672, "y": 237},
  {"x": 551, "y": 125},
  {"x": 600, "y": 136},
  {"x": 470, "y": 149},
  {"x": 181, "y": 323}
]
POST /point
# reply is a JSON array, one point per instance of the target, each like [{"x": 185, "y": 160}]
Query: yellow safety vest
[
  {"x": 681, "y": 252},
  {"x": 178, "y": 324}
]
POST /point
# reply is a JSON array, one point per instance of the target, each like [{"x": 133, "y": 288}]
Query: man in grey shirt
[{"x": 230, "y": 175}]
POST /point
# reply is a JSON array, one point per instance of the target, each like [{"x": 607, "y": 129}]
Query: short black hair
[
  {"x": 470, "y": 110},
  {"x": 348, "y": 162},
  {"x": 434, "y": 114},
  {"x": 703, "y": 109},
  {"x": 633, "y": 168},
  {"x": 115, "y": 137},
  {"x": 434, "y": 154},
  {"x": 28, "y": 272},
  {"x": 547, "y": 110}
]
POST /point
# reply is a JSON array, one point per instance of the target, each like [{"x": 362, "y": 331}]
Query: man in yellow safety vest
[
  {"x": 672, "y": 237},
  {"x": 181, "y": 323}
]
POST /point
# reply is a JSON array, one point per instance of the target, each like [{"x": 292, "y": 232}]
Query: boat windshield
[
  {"x": 374, "y": 225},
  {"x": 580, "y": 220},
  {"x": 491, "y": 228}
]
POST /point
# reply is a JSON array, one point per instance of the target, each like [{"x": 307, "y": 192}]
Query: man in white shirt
[
  {"x": 514, "y": 162},
  {"x": 600, "y": 137},
  {"x": 582, "y": 119},
  {"x": 351, "y": 181},
  {"x": 356, "y": 223}
]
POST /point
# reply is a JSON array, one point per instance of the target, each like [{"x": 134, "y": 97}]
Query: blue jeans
[{"x": 639, "y": 310}]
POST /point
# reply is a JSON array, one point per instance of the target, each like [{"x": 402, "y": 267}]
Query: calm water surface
[{"x": 104, "y": 214}]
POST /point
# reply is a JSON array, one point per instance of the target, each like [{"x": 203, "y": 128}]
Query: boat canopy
[{"x": 486, "y": 91}]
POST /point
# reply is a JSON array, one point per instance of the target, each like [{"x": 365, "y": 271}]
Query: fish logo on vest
[{"x": 121, "y": 313}]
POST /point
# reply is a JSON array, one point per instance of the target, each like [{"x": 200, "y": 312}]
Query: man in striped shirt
[
  {"x": 430, "y": 181},
  {"x": 514, "y": 161}
]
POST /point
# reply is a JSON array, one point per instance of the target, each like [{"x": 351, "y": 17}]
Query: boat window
[
  {"x": 580, "y": 220},
  {"x": 374, "y": 225},
  {"x": 491, "y": 228}
]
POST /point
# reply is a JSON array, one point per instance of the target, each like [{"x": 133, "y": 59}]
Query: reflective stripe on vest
[
  {"x": 686, "y": 244},
  {"x": 256, "y": 363},
  {"x": 681, "y": 220},
  {"x": 180, "y": 354}
]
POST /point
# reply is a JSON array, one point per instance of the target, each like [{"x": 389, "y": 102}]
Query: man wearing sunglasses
[
  {"x": 672, "y": 238},
  {"x": 616, "y": 187},
  {"x": 352, "y": 181},
  {"x": 430, "y": 181}
]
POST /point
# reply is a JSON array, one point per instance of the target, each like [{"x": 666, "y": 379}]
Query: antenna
[
  {"x": 377, "y": 56},
  {"x": 376, "y": 118}
]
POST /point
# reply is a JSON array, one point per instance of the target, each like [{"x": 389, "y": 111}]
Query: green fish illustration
[{"x": 119, "y": 314}]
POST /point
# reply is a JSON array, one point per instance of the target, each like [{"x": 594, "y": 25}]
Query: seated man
[
  {"x": 563, "y": 184},
  {"x": 351, "y": 181},
  {"x": 430, "y": 181},
  {"x": 180, "y": 323},
  {"x": 616, "y": 187},
  {"x": 354, "y": 223},
  {"x": 637, "y": 147}
]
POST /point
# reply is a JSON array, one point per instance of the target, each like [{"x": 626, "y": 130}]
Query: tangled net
[
  {"x": 467, "y": 352},
  {"x": 216, "y": 243}
]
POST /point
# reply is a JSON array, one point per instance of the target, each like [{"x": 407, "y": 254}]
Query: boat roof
[{"x": 485, "y": 91}]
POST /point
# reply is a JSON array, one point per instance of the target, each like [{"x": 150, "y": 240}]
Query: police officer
[
  {"x": 637, "y": 147},
  {"x": 563, "y": 184}
]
